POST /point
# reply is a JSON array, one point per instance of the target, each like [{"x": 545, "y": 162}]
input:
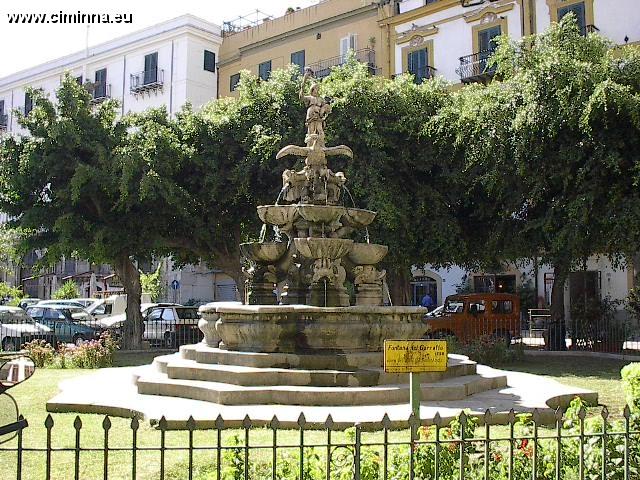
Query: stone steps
[
  {"x": 177, "y": 367},
  {"x": 447, "y": 389}
]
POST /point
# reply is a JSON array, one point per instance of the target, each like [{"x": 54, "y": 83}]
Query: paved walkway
[{"x": 112, "y": 391}]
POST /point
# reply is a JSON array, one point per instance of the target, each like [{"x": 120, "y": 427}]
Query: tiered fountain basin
[
  {"x": 307, "y": 329},
  {"x": 281, "y": 215}
]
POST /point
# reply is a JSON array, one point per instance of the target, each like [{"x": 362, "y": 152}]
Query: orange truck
[{"x": 469, "y": 316}]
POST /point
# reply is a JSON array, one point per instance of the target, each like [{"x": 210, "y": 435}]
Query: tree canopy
[
  {"x": 84, "y": 183},
  {"x": 552, "y": 148}
]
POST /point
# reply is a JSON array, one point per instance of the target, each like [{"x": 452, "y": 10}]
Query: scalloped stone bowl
[
  {"x": 332, "y": 248},
  {"x": 321, "y": 213},
  {"x": 358, "y": 217},
  {"x": 265, "y": 252},
  {"x": 278, "y": 215},
  {"x": 367, "y": 253}
]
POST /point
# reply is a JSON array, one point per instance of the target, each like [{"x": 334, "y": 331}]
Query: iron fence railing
[
  {"x": 476, "y": 67},
  {"x": 323, "y": 68},
  {"x": 578, "y": 445},
  {"x": 101, "y": 92},
  {"x": 423, "y": 73},
  {"x": 158, "y": 333},
  {"x": 146, "y": 80}
]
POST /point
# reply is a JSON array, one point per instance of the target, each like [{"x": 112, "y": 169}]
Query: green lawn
[{"x": 601, "y": 375}]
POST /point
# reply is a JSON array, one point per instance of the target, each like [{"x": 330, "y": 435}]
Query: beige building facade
[{"x": 317, "y": 37}]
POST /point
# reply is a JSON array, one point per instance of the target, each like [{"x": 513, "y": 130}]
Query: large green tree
[
  {"x": 552, "y": 150},
  {"x": 85, "y": 183}
]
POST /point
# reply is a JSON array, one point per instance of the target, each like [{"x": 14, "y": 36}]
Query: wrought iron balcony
[
  {"x": 422, "y": 74},
  {"x": 4, "y": 121},
  {"x": 323, "y": 68},
  {"x": 101, "y": 93},
  {"x": 146, "y": 81},
  {"x": 588, "y": 29},
  {"x": 476, "y": 67}
]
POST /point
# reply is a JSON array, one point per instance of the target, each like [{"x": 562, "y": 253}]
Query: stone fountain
[{"x": 312, "y": 256}]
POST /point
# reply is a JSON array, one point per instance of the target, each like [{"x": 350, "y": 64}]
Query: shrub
[
  {"x": 487, "y": 349},
  {"x": 95, "y": 353},
  {"x": 68, "y": 290},
  {"x": 631, "y": 384},
  {"x": 40, "y": 352}
]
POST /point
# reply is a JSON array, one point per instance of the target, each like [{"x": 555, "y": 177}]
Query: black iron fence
[
  {"x": 423, "y": 73},
  {"x": 57, "y": 332},
  {"x": 574, "y": 445},
  {"x": 146, "y": 80},
  {"x": 476, "y": 67}
]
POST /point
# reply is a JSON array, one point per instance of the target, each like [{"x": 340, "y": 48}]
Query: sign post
[{"x": 414, "y": 357}]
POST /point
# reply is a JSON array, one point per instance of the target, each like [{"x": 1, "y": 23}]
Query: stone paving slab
[{"x": 113, "y": 391}]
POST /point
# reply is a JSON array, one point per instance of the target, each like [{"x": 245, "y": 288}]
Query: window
[
  {"x": 454, "y": 306},
  {"x": 486, "y": 38},
  {"x": 502, "y": 306},
  {"x": 418, "y": 64},
  {"x": 233, "y": 81},
  {"x": 264, "y": 70},
  {"x": 3, "y": 117},
  {"x": 79, "y": 80},
  {"x": 477, "y": 307},
  {"x": 154, "y": 315},
  {"x": 1, "y": 107},
  {"x": 151, "y": 68},
  {"x": 28, "y": 103},
  {"x": 209, "y": 61},
  {"x": 167, "y": 315},
  {"x": 297, "y": 58},
  {"x": 100, "y": 88},
  {"x": 348, "y": 43},
  {"x": 579, "y": 11}
]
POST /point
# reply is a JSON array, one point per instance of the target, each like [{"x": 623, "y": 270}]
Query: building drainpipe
[
  {"x": 218, "y": 80},
  {"x": 124, "y": 82},
  {"x": 171, "y": 80}
]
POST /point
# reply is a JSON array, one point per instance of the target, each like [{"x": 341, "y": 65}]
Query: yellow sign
[{"x": 414, "y": 356}]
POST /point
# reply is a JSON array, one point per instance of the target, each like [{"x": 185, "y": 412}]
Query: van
[{"x": 470, "y": 316}]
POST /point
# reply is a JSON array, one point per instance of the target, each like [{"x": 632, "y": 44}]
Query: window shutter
[
  {"x": 344, "y": 46},
  {"x": 353, "y": 41}
]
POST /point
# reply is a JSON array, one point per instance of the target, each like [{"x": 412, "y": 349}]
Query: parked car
[
  {"x": 68, "y": 324},
  {"x": 18, "y": 328},
  {"x": 171, "y": 325},
  {"x": 25, "y": 302},
  {"x": 72, "y": 303},
  {"x": 115, "y": 321},
  {"x": 85, "y": 302},
  {"x": 466, "y": 317}
]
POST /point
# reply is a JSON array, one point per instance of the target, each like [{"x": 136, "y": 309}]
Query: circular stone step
[
  {"x": 179, "y": 368},
  {"x": 227, "y": 394}
]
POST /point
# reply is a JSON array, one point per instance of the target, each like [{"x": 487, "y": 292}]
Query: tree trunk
[
  {"x": 130, "y": 277},
  {"x": 557, "y": 327},
  {"x": 399, "y": 286},
  {"x": 231, "y": 266}
]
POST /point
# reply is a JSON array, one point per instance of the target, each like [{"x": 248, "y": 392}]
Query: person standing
[{"x": 427, "y": 302}]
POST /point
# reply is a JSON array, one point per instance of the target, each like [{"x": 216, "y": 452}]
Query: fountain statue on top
[
  {"x": 311, "y": 255},
  {"x": 318, "y": 260}
]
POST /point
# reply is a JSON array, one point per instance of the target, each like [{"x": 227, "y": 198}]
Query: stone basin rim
[{"x": 361, "y": 309}]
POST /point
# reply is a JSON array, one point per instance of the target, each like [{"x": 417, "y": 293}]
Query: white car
[
  {"x": 70, "y": 303},
  {"x": 18, "y": 328}
]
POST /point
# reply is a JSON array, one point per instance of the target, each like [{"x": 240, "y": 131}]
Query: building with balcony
[
  {"x": 167, "y": 64},
  {"x": 455, "y": 38},
  {"x": 317, "y": 37}
]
